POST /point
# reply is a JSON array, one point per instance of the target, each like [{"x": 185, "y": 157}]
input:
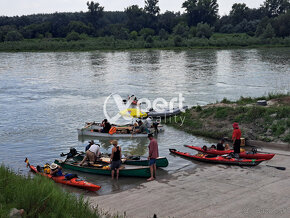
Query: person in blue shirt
[{"x": 55, "y": 170}]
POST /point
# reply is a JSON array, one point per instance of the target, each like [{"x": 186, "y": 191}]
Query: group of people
[
  {"x": 93, "y": 154},
  {"x": 236, "y": 138}
]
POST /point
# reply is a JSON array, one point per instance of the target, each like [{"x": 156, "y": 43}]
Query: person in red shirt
[
  {"x": 153, "y": 154},
  {"x": 236, "y": 137}
]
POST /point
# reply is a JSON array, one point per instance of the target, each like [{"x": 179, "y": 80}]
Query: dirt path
[{"x": 209, "y": 191}]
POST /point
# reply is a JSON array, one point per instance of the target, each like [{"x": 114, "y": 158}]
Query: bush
[
  {"x": 163, "y": 34},
  {"x": 204, "y": 30},
  {"x": 73, "y": 36},
  {"x": 13, "y": 36},
  {"x": 133, "y": 35},
  {"x": 177, "y": 41},
  {"x": 145, "y": 32}
]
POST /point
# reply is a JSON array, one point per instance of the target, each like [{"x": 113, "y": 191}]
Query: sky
[{"x": 26, "y": 7}]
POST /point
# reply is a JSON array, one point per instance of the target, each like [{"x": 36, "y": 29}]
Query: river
[{"x": 45, "y": 97}]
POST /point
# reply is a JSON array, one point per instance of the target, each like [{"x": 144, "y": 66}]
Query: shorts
[
  {"x": 152, "y": 161},
  {"x": 115, "y": 164}
]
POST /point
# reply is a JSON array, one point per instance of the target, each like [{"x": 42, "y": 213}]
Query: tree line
[{"x": 200, "y": 19}]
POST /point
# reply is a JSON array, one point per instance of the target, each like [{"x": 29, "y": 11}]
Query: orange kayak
[{"x": 76, "y": 182}]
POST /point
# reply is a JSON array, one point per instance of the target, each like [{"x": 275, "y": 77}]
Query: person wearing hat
[
  {"x": 236, "y": 137},
  {"x": 153, "y": 155},
  {"x": 92, "y": 153},
  {"x": 115, "y": 159},
  {"x": 55, "y": 170}
]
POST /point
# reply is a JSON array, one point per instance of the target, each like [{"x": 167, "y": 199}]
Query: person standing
[
  {"x": 236, "y": 137},
  {"x": 115, "y": 159},
  {"x": 153, "y": 155}
]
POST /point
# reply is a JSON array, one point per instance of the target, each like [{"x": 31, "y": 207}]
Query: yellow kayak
[{"x": 133, "y": 112}]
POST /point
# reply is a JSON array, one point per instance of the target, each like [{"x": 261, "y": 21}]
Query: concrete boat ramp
[{"x": 208, "y": 191}]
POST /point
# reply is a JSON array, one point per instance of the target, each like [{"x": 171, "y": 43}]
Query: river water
[{"x": 45, "y": 97}]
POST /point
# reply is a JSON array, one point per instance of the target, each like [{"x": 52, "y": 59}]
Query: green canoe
[
  {"x": 126, "y": 170},
  {"x": 160, "y": 161}
]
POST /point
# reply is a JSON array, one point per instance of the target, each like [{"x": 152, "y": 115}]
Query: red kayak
[
  {"x": 76, "y": 182},
  {"x": 218, "y": 159},
  {"x": 246, "y": 155}
]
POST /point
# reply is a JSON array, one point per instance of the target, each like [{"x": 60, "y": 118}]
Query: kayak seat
[{"x": 211, "y": 156}]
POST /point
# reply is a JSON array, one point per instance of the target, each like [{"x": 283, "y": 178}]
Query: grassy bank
[
  {"x": 109, "y": 43},
  {"x": 39, "y": 197},
  {"x": 269, "y": 123}
]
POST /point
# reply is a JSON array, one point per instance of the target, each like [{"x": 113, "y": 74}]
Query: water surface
[{"x": 45, "y": 97}]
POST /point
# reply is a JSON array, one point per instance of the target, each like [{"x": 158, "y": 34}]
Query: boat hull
[
  {"x": 75, "y": 182},
  {"x": 160, "y": 161},
  {"x": 219, "y": 159},
  {"x": 85, "y": 132},
  {"x": 241, "y": 155},
  {"x": 140, "y": 171}
]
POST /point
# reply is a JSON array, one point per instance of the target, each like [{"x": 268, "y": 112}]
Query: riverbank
[
  {"x": 217, "y": 41},
  {"x": 208, "y": 191},
  {"x": 39, "y": 197},
  {"x": 269, "y": 123}
]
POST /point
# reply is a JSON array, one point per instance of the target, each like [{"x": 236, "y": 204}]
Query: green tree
[
  {"x": 133, "y": 35},
  {"x": 274, "y": 8},
  {"x": 163, "y": 34},
  {"x": 177, "y": 41},
  {"x": 73, "y": 36},
  {"x": 269, "y": 32},
  {"x": 13, "y": 36},
  {"x": 238, "y": 13},
  {"x": 95, "y": 12},
  {"x": 203, "y": 30},
  {"x": 79, "y": 27},
  {"x": 136, "y": 18},
  {"x": 198, "y": 11},
  {"x": 282, "y": 25},
  {"x": 168, "y": 20},
  {"x": 151, "y": 7},
  {"x": 261, "y": 26},
  {"x": 181, "y": 29},
  {"x": 145, "y": 32}
]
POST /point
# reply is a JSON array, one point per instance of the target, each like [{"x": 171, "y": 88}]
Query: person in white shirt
[{"x": 92, "y": 154}]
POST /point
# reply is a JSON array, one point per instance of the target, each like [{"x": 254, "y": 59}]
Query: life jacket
[
  {"x": 113, "y": 130},
  {"x": 46, "y": 169}
]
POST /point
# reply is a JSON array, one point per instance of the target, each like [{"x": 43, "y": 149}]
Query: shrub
[
  {"x": 133, "y": 35},
  {"x": 13, "y": 36},
  {"x": 73, "y": 36},
  {"x": 204, "y": 30},
  {"x": 177, "y": 41}
]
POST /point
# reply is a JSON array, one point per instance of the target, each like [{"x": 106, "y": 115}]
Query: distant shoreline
[{"x": 111, "y": 44}]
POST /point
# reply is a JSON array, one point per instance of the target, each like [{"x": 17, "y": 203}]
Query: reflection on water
[{"x": 45, "y": 97}]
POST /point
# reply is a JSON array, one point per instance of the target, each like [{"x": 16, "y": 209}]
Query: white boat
[
  {"x": 166, "y": 112},
  {"x": 122, "y": 131},
  {"x": 87, "y": 132}
]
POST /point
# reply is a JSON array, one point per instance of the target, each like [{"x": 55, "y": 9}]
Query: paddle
[
  {"x": 278, "y": 168},
  {"x": 27, "y": 162}
]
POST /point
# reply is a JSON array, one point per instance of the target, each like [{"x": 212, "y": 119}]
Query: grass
[
  {"x": 39, "y": 197},
  {"x": 110, "y": 43},
  {"x": 270, "y": 123}
]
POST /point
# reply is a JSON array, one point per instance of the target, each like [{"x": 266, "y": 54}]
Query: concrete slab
[{"x": 208, "y": 191}]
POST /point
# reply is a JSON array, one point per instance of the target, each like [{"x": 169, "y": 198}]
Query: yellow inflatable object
[{"x": 133, "y": 112}]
